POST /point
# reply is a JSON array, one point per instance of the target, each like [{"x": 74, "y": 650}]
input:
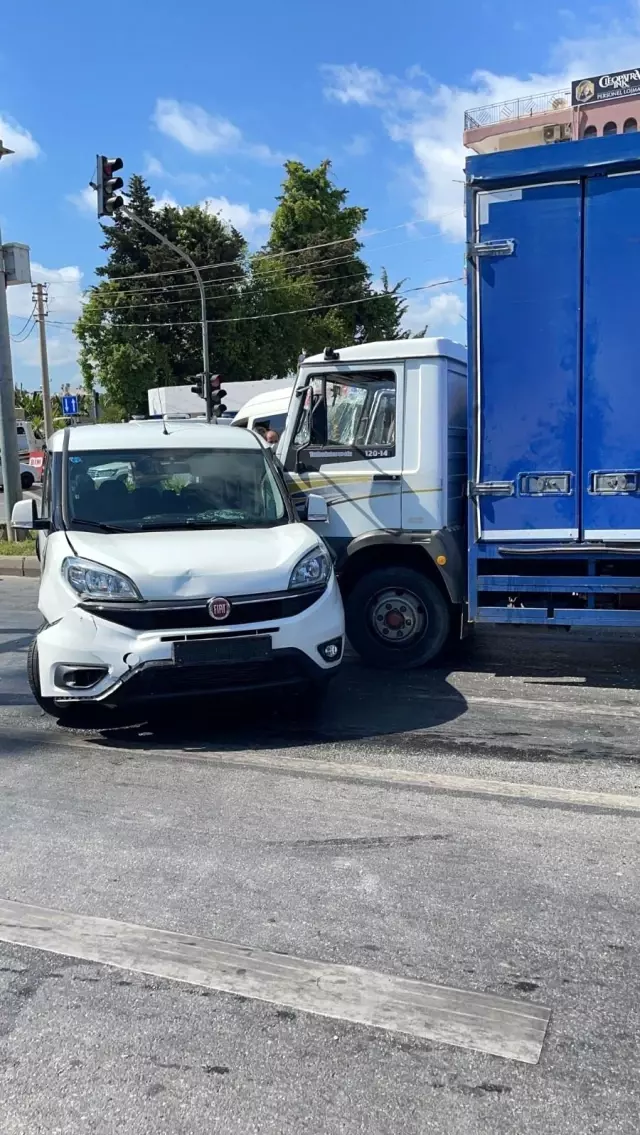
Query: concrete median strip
[
  {"x": 478, "y": 1021},
  {"x": 19, "y": 565}
]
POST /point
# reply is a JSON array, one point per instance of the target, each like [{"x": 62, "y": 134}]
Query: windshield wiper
[
  {"x": 176, "y": 526},
  {"x": 100, "y": 527}
]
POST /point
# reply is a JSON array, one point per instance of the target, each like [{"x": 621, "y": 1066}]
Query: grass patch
[{"x": 17, "y": 548}]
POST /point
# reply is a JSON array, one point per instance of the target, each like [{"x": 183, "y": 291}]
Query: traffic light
[
  {"x": 199, "y": 388},
  {"x": 217, "y": 394},
  {"x": 108, "y": 186}
]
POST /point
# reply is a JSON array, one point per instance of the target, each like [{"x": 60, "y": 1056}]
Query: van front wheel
[
  {"x": 72, "y": 716},
  {"x": 397, "y": 619}
]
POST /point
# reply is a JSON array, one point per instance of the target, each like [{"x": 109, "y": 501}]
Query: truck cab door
[{"x": 344, "y": 442}]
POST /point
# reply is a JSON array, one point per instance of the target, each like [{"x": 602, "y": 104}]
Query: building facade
[{"x": 599, "y": 106}]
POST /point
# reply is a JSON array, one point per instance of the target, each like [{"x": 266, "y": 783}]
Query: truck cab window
[{"x": 355, "y": 410}]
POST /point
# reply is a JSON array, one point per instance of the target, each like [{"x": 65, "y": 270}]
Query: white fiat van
[{"x": 173, "y": 564}]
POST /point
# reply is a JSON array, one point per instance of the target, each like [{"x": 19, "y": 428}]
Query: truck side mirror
[{"x": 317, "y": 511}]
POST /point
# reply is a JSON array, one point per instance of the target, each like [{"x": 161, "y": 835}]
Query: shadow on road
[
  {"x": 361, "y": 704},
  {"x": 600, "y": 659}
]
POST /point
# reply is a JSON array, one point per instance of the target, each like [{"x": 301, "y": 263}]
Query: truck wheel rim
[{"x": 398, "y": 617}]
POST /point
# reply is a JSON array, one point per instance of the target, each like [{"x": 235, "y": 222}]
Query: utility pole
[
  {"x": 40, "y": 298},
  {"x": 8, "y": 435}
]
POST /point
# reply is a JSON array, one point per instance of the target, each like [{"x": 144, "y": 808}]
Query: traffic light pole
[
  {"x": 203, "y": 298},
  {"x": 8, "y": 434}
]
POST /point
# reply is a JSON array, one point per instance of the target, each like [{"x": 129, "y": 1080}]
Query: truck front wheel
[{"x": 397, "y": 618}]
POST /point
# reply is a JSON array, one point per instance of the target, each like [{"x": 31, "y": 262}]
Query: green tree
[
  {"x": 313, "y": 211},
  {"x": 138, "y": 329}
]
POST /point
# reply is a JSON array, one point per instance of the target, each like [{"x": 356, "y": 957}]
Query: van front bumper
[{"x": 126, "y": 664}]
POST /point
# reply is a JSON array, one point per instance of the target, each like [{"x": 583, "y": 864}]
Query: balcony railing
[{"x": 516, "y": 108}]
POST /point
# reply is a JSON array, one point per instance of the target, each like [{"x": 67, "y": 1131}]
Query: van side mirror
[
  {"x": 317, "y": 511},
  {"x": 25, "y": 516}
]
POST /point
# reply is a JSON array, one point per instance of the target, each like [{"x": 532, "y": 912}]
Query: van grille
[{"x": 192, "y": 615}]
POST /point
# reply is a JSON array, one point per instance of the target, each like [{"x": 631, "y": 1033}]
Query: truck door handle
[
  {"x": 492, "y": 488},
  {"x": 386, "y": 476}
]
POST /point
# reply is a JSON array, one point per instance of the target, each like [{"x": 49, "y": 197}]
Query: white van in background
[
  {"x": 27, "y": 441},
  {"x": 267, "y": 411}
]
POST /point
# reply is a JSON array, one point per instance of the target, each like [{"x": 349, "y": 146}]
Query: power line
[
  {"x": 279, "y": 255},
  {"x": 24, "y": 338},
  {"x": 17, "y": 334},
  {"x": 277, "y": 314},
  {"x": 300, "y": 269},
  {"x": 249, "y": 290}
]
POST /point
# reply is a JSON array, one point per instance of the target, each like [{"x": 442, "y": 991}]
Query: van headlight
[
  {"x": 94, "y": 581},
  {"x": 313, "y": 570}
]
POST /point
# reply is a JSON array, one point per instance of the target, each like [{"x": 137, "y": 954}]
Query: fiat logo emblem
[{"x": 219, "y": 609}]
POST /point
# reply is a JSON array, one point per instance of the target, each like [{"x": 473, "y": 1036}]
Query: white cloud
[
  {"x": 84, "y": 201},
  {"x": 166, "y": 199},
  {"x": 204, "y": 133},
  {"x": 65, "y": 304},
  {"x": 350, "y": 83},
  {"x": 443, "y": 313},
  {"x": 62, "y": 351},
  {"x": 358, "y": 146},
  {"x": 65, "y": 293},
  {"x": 154, "y": 167},
  {"x": 428, "y": 118},
  {"x": 16, "y": 138},
  {"x": 242, "y": 217}
]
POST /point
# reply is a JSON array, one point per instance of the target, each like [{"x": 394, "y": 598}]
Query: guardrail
[{"x": 516, "y": 108}]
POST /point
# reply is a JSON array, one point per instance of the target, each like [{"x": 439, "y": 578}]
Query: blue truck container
[{"x": 554, "y": 384}]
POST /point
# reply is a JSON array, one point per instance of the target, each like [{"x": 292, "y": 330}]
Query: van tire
[
  {"x": 26, "y": 480},
  {"x": 69, "y": 716},
  {"x": 397, "y": 593}
]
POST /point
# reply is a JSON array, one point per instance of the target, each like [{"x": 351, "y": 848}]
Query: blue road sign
[{"x": 69, "y": 405}]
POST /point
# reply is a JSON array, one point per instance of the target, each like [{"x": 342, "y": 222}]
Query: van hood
[{"x": 200, "y": 564}]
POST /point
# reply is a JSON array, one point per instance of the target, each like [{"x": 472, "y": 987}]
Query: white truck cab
[
  {"x": 379, "y": 431},
  {"x": 174, "y": 564},
  {"x": 267, "y": 411}
]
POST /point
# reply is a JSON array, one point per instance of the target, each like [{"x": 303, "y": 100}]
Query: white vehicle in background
[
  {"x": 27, "y": 440},
  {"x": 266, "y": 411},
  {"x": 26, "y": 477},
  {"x": 191, "y": 574}
]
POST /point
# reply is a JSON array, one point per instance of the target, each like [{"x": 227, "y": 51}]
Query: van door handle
[{"x": 387, "y": 476}]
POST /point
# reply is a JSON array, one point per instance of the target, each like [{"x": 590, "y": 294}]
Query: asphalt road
[{"x": 429, "y": 827}]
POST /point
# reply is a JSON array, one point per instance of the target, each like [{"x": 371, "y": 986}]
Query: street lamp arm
[{"x": 203, "y": 299}]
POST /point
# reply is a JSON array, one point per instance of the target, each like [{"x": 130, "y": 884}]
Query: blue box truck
[
  {"x": 499, "y": 484},
  {"x": 554, "y": 384}
]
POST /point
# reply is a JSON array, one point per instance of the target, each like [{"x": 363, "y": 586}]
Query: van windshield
[{"x": 153, "y": 489}]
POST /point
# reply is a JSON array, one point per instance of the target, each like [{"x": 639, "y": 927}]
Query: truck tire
[
  {"x": 397, "y": 619},
  {"x": 26, "y": 480}
]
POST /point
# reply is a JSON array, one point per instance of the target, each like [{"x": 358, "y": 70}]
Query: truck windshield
[{"x": 153, "y": 489}]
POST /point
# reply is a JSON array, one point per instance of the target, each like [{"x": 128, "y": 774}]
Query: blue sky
[{"x": 208, "y": 99}]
